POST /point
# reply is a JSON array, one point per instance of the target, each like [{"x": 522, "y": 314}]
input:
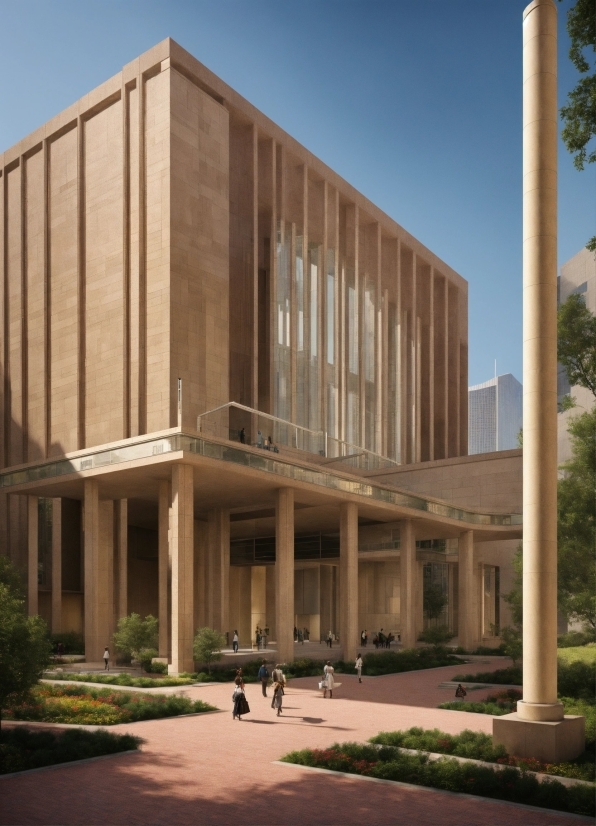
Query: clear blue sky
[{"x": 417, "y": 103}]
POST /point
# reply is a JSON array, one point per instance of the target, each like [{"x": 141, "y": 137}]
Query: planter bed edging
[{"x": 581, "y": 818}]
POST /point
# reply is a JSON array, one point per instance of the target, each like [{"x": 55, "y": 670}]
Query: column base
[{"x": 550, "y": 742}]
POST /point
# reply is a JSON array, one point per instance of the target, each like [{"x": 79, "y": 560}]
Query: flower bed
[
  {"x": 389, "y": 763},
  {"x": 102, "y": 707},
  {"x": 477, "y": 746},
  {"x": 124, "y": 679},
  {"x": 21, "y": 749}
]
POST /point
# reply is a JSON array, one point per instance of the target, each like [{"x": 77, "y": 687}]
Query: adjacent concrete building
[
  {"x": 226, "y": 374},
  {"x": 495, "y": 413}
]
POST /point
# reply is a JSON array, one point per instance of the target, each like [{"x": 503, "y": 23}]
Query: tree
[
  {"x": 24, "y": 645},
  {"x": 511, "y": 635},
  {"x": 207, "y": 646},
  {"x": 433, "y": 600},
  {"x": 10, "y": 576},
  {"x": 577, "y": 523},
  {"x": 579, "y": 115},
  {"x": 134, "y": 634},
  {"x": 576, "y": 342}
]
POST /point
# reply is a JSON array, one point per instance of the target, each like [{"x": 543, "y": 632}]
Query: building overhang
[{"x": 242, "y": 478}]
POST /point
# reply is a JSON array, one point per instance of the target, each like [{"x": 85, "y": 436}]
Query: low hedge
[
  {"x": 124, "y": 679},
  {"x": 390, "y": 763},
  {"x": 102, "y": 707},
  {"x": 575, "y": 679},
  {"x": 21, "y": 749},
  {"x": 575, "y": 638},
  {"x": 504, "y": 702},
  {"x": 471, "y": 744},
  {"x": 477, "y": 746}
]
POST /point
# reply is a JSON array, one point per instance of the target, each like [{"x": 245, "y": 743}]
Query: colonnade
[{"x": 193, "y": 572}]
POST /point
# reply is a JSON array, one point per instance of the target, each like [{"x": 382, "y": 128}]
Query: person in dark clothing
[
  {"x": 243, "y": 436},
  {"x": 263, "y": 676}
]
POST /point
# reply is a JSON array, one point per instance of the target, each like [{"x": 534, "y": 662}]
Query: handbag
[{"x": 323, "y": 684}]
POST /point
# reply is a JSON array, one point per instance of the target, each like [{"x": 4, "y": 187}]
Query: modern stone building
[{"x": 235, "y": 391}]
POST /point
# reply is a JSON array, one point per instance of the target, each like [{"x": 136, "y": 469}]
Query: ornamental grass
[
  {"x": 102, "y": 707},
  {"x": 390, "y": 763}
]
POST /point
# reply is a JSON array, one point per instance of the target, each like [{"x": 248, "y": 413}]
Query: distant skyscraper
[{"x": 495, "y": 414}]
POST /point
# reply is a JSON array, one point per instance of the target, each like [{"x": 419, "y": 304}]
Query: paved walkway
[{"x": 214, "y": 770}]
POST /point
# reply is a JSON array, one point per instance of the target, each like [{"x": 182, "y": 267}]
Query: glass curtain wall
[
  {"x": 314, "y": 407},
  {"x": 352, "y": 352},
  {"x": 282, "y": 362},
  {"x": 370, "y": 391},
  {"x": 307, "y": 340},
  {"x": 393, "y": 401},
  {"x": 330, "y": 367}
]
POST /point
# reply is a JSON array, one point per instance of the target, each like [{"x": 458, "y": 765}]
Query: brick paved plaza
[{"x": 211, "y": 769}]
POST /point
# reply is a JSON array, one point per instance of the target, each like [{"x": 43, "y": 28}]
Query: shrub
[
  {"x": 410, "y": 659},
  {"x": 24, "y": 644},
  {"x": 438, "y": 636},
  {"x": 576, "y": 679},
  {"x": 125, "y": 679},
  {"x": 135, "y": 634},
  {"x": 72, "y": 642},
  {"x": 207, "y": 646},
  {"x": 574, "y": 638},
  {"x": 158, "y": 668},
  {"x": 21, "y": 749},
  {"x": 145, "y": 656},
  {"x": 503, "y": 784},
  {"x": 92, "y": 706},
  {"x": 472, "y": 744}
]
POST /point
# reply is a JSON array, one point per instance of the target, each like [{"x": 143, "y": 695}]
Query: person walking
[
  {"x": 328, "y": 679},
  {"x": 239, "y": 699},
  {"x": 330, "y": 639},
  {"x": 106, "y": 659},
  {"x": 263, "y": 676},
  {"x": 235, "y": 641},
  {"x": 278, "y": 696},
  {"x": 358, "y": 667},
  {"x": 279, "y": 682}
]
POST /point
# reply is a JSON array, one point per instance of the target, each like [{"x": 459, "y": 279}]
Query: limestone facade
[{"x": 167, "y": 251}]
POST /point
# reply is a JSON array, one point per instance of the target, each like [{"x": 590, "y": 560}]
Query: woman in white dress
[{"x": 329, "y": 680}]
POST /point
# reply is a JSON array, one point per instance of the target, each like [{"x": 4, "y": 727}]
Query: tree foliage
[
  {"x": 577, "y": 523},
  {"x": 576, "y": 348},
  {"x": 579, "y": 115},
  {"x": 207, "y": 646},
  {"x": 433, "y": 600},
  {"x": 134, "y": 634},
  {"x": 24, "y": 643}
]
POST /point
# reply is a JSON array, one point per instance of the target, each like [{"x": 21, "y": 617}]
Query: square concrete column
[
  {"x": 408, "y": 583},
  {"x": 468, "y": 619},
  {"x": 284, "y": 574},
  {"x": 33, "y": 555},
  {"x": 182, "y": 548},
  {"x": 348, "y": 579},
  {"x": 90, "y": 554},
  {"x": 201, "y": 543},
  {"x": 121, "y": 536},
  {"x": 104, "y": 590},
  {"x": 219, "y": 567},
  {"x": 163, "y": 566},
  {"x": 56, "y": 566}
]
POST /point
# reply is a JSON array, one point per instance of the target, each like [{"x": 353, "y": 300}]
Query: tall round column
[{"x": 540, "y": 127}]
